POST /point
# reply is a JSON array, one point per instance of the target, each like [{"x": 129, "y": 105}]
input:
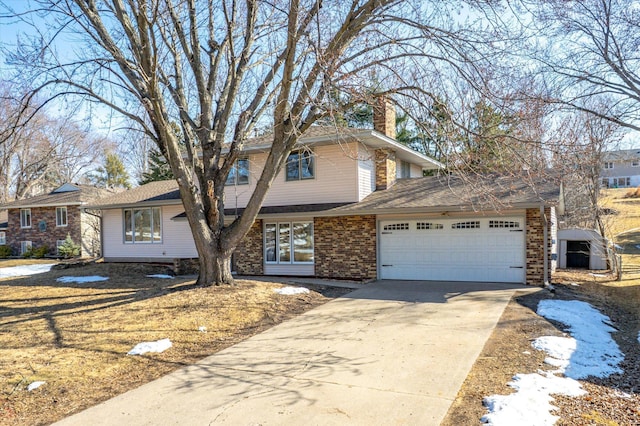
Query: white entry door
[{"x": 477, "y": 249}]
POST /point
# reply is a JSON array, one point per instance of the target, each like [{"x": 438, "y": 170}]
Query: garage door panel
[{"x": 454, "y": 250}]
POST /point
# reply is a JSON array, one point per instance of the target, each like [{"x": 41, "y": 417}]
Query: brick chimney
[
  {"x": 384, "y": 117},
  {"x": 384, "y": 121}
]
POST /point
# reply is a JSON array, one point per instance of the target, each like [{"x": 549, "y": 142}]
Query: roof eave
[{"x": 158, "y": 203}]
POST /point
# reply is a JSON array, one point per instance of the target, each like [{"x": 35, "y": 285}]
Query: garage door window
[
  {"x": 503, "y": 224},
  {"x": 472, "y": 224},
  {"x": 421, "y": 226},
  {"x": 397, "y": 227}
]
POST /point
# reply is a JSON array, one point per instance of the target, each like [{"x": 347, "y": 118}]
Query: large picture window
[
  {"x": 142, "y": 225},
  {"x": 61, "y": 216},
  {"x": 288, "y": 242},
  {"x": 25, "y": 218},
  {"x": 239, "y": 173},
  {"x": 300, "y": 165}
]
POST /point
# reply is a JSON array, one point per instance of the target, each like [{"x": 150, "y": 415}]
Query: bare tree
[
  {"x": 220, "y": 69},
  {"x": 586, "y": 51}
]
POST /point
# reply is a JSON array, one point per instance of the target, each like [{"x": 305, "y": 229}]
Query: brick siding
[
  {"x": 345, "y": 247},
  {"x": 51, "y": 232},
  {"x": 249, "y": 256},
  {"x": 535, "y": 247}
]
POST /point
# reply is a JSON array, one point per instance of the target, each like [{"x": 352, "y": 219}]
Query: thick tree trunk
[{"x": 215, "y": 269}]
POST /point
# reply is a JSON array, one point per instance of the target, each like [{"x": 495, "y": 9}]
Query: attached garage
[{"x": 487, "y": 249}]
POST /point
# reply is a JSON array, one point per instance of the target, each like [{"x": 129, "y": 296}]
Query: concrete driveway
[{"x": 394, "y": 352}]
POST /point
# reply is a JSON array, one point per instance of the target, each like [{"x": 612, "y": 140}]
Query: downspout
[{"x": 545, "y": 238}]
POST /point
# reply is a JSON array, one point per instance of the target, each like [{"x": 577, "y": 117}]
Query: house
[
  {"x": 582, "y": 249},
  {"x": 47, "y": 219},
  {"x": 354, "y": 204},
  {"x": 621, "y": 169}
]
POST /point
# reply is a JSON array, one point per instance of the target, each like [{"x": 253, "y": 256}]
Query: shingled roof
[
  {"x": 72, "y": 195},
  {"x": 162, "y": 192},
  {"x": 450, "y": 193}
]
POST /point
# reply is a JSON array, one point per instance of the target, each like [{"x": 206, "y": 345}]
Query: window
[
  {"x": 605, "y": 182},
  {"x": 25, "y": 218},
  {"x": 58, "y": 244},
  {"x": 288, "y": 242},
  {"x": 428, "y": 225},
  {"x": 472, "y": 224},
  {"x": 608, "y": 165},
  {"x": 503, "y": 224},
  {"x": 635, "y": 163},
  {"x": 3, "y": 239},
  {"x": 239, "y": 173},
  {"x": 397, "y": 227},
  {"x": 142, "y": 225},
  {"x": 405, "y": 169},
  {"x": 621, "y": 182},
  {"x": 300, "y": 165},
  {"x": 25, "y": 246},
  {"x": 61, "y": 216}
]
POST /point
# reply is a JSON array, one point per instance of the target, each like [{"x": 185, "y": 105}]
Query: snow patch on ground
[
  {"x": 144, "y": 347},
  {"x": 596, "y": 353},
  {"x": 24, "y": 270},
  {"x": 161, "y": 276},
  {"x": 589, "y": 352},
  {"x": 87, "y": 279},
  {"x": 34, "y": 385},
  {"x": 292, "y": 290}
]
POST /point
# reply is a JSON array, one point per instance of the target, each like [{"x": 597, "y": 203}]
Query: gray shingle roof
[
  {"x": 312, "y": 133},
  {"x": 450, "y": 193},
  {"x": 154, "y": 193},
  {"x": 84, "y": 194}
]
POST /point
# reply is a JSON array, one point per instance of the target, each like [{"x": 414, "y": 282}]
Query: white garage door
[{"x": 486, "y": 249}]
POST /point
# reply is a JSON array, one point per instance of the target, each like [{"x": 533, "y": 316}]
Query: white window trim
[
  {"x": 22, "y": 225},
  {"x": 292, "y": 260},
  {"x": 3, "y": 238},
  {"x": 66, "y": 217},
  {"x": 27, "y": 244},
  {"x": 234, "y": 169},
  {"x": 133, "y": 237},
  {"x": 635, "y": 163},
  {"x": 300, "y": 178},
  {"x": 608, "y": 165}
]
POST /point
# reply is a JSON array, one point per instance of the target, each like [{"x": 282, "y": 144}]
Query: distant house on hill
[
  {"x": 46, "y": 220},
  {"x": 621, "y": 169}
]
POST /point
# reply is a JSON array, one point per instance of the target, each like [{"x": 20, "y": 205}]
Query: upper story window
[
  {"x": 301, "y": 165},
  {"x": 142, "y": 225},
  {"x": 405, "y": 169},
  {"x": 608, "y": 165},
  {"x": 239, "y": 173},
  {"x": 635, "y": 163},
  {"x": 25, "y": 218},
  {"x": 61, "y": 216}
]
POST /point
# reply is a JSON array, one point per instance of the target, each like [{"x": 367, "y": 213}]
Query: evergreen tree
[
  {"x": 112, "y": 174},
  {"x": 159, "y": 168}
]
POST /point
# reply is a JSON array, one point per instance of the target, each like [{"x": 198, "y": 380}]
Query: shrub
[
  {"x": 5, "y": 251},
  {"x": 40, "y": 252},
  {"x": 28, "y": 254},
  {"x": 69, "y": 248},
  {"x": 633, "y": 193}
]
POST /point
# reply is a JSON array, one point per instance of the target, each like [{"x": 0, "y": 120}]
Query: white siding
[
  {"x": 366, "y": 177},
  {"x": 336, "y": 180},
  {"x": 416, "y": 171},
  {"x": 177, "y": 241},
  {"x": 90, "y": 232},
  {"x": 283, "y": 269}
]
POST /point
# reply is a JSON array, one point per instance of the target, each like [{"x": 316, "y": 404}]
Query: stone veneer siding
[
  {"x": 48, "y": 237},
  {"x": 385, "y": 168},
  {"x": 345, "y": 247},
  {"x": 535, "y": 247},
  {"x": 249, "y": 256}
]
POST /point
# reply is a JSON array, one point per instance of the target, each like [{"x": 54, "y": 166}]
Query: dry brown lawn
[{"x": 75, "y": 337}]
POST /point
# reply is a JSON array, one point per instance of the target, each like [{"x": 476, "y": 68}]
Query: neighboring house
[
  {"x": 4, "y": 224},
  {"x": 46, "y": 220},
  {"x": 621, "y": 169},
  {"x": 353, "y": 204}
]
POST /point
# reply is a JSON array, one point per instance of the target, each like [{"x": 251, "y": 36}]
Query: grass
[{"x": 75, "y": 336}]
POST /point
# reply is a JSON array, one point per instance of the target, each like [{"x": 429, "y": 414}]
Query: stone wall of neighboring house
[
  {"x": 249, "y": 256},
  {"x": 535, "y": 246},
  {"x": 345, "y": 247},
  {"x": 43, "y": 230}
]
